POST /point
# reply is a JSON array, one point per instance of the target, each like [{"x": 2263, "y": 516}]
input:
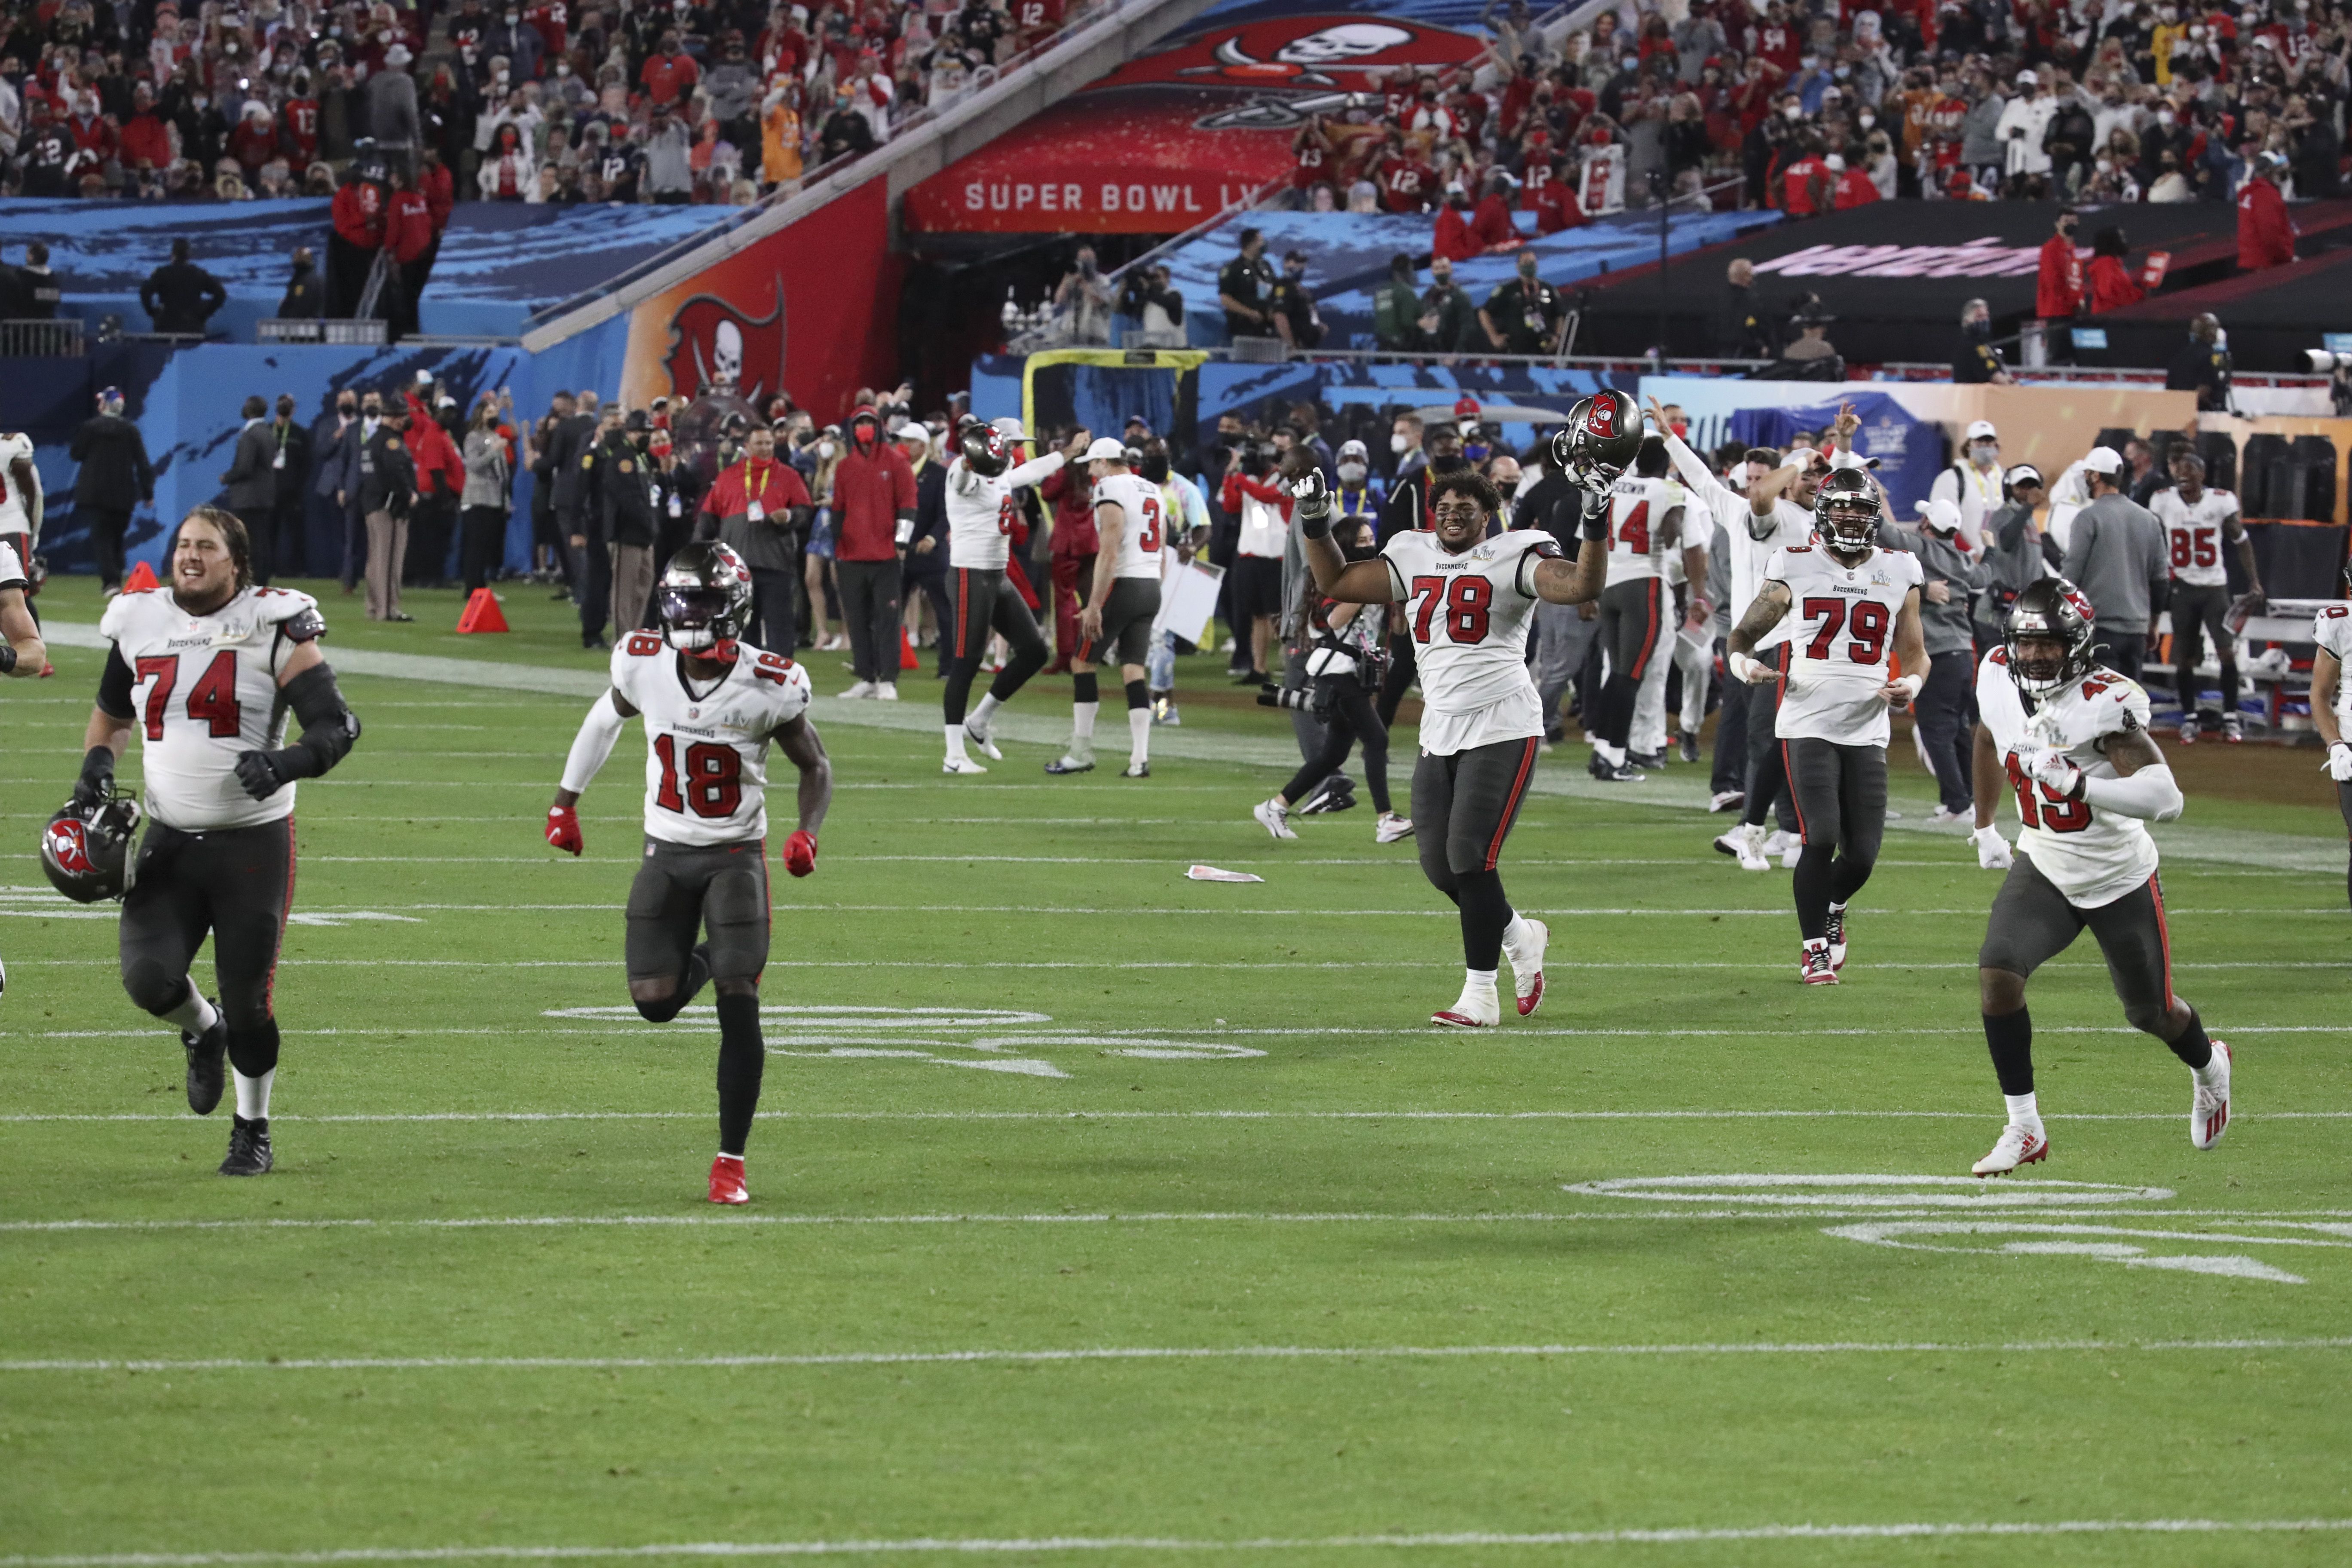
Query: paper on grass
[{"x": 1211, "y": 874}]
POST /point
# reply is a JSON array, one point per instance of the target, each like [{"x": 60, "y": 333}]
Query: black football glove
[
  {"x": 264, "y": 773},
  {"x": 96, "y": 781}
]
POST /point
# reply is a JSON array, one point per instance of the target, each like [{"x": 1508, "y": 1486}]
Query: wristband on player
[{"x": 1595, "y": 525}]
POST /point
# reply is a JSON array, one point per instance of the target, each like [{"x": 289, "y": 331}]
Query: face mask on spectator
[
  {"x": 1400, "y": 443},
  {"x": 1794, "y": 111},
  {"x": 1353, "y": 473},
  {"x": 1842, "y": 71},
  {"x": 1866, "y": 119},
  {"x": 825, "y": 449}
]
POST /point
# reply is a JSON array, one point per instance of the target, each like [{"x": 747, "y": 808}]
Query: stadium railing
[{"x": 59, "y": 339}]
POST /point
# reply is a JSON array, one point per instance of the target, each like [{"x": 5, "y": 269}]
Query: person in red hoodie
[
  {"x": 1490, "y": 227},
  {"x": 361, "y": 203},
  {"x": 1854, "y": 186},
  {"x": 440, "y": 481},
  {"x": 2111, "y": 281},
  {"x": 1453, "y": 240},
  {"x": 440, "y": 193},
  {"x": 1070, "y": 491},
  {"x": 2265, "y": 234},
  {"x": 146, "y": 138},
  {"x": 2058, "y": 283},
  {"x": 1806, "y": 183},
  {"x": 873, "y": 517},
  {"x": 408, "y": 235}
]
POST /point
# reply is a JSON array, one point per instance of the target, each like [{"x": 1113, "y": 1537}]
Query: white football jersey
[
  {"x": 1842, "y": 619},
  {"x": 1146, "y": 529},
  {"x": 12, "y": 571},
  {"x": 2094, "y": 857},
  {"x": 707, "y": 752},
  {"x": 2194, "y": 534},
  {"x": 15, "y": 518},
  {"x": 203, "y": 693},
  {"x": 981, "y": 511},
  {"x": 1636, "y": 508},
  {"x": 1468, "y": 616},
  {"x": 2332, "y": 629}
]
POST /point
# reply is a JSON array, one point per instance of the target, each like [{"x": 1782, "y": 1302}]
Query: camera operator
[
  {"x": 1150, "y": 296},
  {"x": 1343, "y": 670}
]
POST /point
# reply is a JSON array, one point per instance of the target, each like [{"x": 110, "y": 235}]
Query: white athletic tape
[{"x": 1070, "y": 1545}]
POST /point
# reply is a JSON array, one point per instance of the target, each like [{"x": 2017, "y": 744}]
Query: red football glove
[
  {"x": 800, "y": 852},
  {"x": 563, "y": 829}
]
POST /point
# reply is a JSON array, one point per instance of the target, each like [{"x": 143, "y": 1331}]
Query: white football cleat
[
  {"x": 978, "y": 740},
  {"x": 1747, "y": 845},
  {"x": 1483, "y": 1010},
  {"x": 1274, "y": 817},
  {"x": 1391, "y": 828},
  {"x": 862, "y": 689},
  {"x": 1527, "y": 969},
  {"x": 2018, "y": 1146},
  {"x": 1813, "y": 966},
  {"x": 1790, "y": 855},
  {"x": 2209, "y": 1112},
  {"x": 961, "y": 765},
  {"x": 1780, "y": 842},
  {"x": 886, "y": 691}
]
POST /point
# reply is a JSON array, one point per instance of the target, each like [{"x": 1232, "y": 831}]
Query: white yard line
[
  {"x": 1081, "y": 1035},
  {"x": 1691, "y": 1535},
  {"x": 1091, "y": 1116},
  {"x": 1163, "y": 1353}
]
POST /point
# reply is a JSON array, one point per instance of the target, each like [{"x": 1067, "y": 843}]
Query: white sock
[
  {"x": 1518, "y": 935},
  {"x": 2022, "y": 1111},
  {"x": 195, "y": 1015},
  {"x": 1837, "y": 908},
  {"x": 1138, "y": 735},
  {"x": 1614, "y": 756},
  {"x": 253, "y": 1094},
  {"x": 1478, "y": 983},
  {"x": 2210, "y": 1073},
  {"x": 955, "y": 742},
  {"x": 725, "y": 1155},
  {"x": 1082, "y": 719},
  {"x": 978, "y": 720}
]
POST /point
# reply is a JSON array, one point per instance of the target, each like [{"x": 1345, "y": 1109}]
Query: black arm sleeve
[
  {"x": 329, "y": 726},
  {"x": 114, "y": 685}
]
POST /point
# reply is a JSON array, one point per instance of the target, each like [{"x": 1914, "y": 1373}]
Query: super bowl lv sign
[{"x": 711, "y": 342}]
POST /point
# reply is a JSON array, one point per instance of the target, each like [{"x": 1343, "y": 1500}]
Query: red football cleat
[{"x": 726, "y": 1180}]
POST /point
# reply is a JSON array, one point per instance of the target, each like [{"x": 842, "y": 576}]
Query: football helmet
[
  {"x": 1600, "y": 441},
  {"x": 1845, "y": 512},
  {"x": 86, "y": 849},
  {"x": 705, "y": 594},
  {"x": 986, "y": 452},
  {"x": 2053, "y": 608}
]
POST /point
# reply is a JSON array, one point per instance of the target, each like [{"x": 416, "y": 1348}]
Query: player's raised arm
[
  {"x": 1911, "y": 652},
  {"x": 598, "y": 730},
  {"x": 1361, "y": 583},
  {"x": 330, "y": 728},
  {"x": 1579, "y": 581},
  {"x": 2144, "y": 785},
  {"x": 799, "y": 740}
]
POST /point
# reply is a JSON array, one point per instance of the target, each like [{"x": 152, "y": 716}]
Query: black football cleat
[
  {"x": 249, "y": 1148},
  {"x": 206, "y": 1054}
]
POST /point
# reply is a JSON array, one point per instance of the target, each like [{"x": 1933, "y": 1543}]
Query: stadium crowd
[
  {"x": 529, "y": 101},
  {"x": 1810, "y": 109}
]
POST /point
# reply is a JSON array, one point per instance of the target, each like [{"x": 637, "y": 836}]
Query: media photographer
[{"x": 1344, "y": 667}]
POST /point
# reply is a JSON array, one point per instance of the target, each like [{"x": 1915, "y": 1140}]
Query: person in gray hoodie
[
  {"x": 2115, "y": 553},
  {"x": 1945, "y": 705}
]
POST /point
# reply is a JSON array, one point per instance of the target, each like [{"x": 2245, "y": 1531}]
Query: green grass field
[{"x": 1102, "y": 1215}]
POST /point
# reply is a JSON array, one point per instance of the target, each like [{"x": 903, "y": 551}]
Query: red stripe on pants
[
  {"x": 1650, "y": 637},
  {"x": 1511, "y": 805},
  {"x": 1796, "y": 801},
  {"x": 2164, "y": 935}
]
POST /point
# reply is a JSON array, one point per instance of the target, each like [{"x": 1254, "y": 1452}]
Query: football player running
[
  {"x": 1121, "y": 610},
  {"x": 206, "y": 669},
  {"x": 2331, "y": 701},
  {"x": 1852, "y": 600},
  {"x": 712, "y": 704},
  {"x": 1645, "y": 521},
  {"x": 982, "y": 480},
  {"x": 1468, "y": 601},
  {"x": 22, "y": 653},
  {"x": 2071, "y": 740}
]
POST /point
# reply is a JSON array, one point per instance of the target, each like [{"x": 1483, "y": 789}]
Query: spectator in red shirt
[
  {"x": 1407, "y": 181},
  {"x": 1554, "y": 198},
  {"x": 302, "y": 121},
  {"x": 671, "y": 73},
  {"x": 1807, "y": 184},
  {"x": 874, "y": 515},
  {"x": 358, "y": 213},
  {"x": 146, "y": 138},
  {"x": 2265, "y": 234},
  {"x": 408, "y": 235},
  {"x": 758, "y": 509}
]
